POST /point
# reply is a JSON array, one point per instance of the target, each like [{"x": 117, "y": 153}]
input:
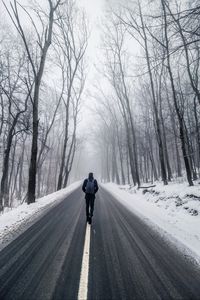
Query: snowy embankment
[
  {"x": 174, "y": 210},
  {"x": 17, "y": 220}
]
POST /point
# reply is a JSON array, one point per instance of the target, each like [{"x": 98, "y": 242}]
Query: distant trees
[
  {"x": 43, "y": 41},
  {"x": 116, "y": 72},
  {"x": 15, "y": 95},
  {"x": 71, "y": 38},
  {"x": 148, "y": 95},
  {"x": 162, "y": 86}
]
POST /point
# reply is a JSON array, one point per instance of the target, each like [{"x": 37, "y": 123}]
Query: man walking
[{"x": 90, "y": 187}]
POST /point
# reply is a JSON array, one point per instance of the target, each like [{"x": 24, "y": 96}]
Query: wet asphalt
[{"x": 128, "y": 259}]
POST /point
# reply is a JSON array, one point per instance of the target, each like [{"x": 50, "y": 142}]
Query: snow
[
  {"x": 173, "y": 210},
  {"x": 17, "y": 220}
]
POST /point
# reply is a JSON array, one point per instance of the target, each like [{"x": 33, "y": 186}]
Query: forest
[
  {"x": 146, "y": 97},
  {"x": 150, "y": 113}
]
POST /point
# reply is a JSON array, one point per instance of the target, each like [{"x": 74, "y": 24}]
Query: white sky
[{"x": 96, "y": 11}]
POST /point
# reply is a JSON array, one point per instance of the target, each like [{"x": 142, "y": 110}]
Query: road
[{"x": 128, "y": 259}]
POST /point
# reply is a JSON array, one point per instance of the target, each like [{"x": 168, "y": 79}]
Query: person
[{"x": 90, "y": 188}]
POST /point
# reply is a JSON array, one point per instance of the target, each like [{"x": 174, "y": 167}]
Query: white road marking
[{"x": 83, "y": 285}]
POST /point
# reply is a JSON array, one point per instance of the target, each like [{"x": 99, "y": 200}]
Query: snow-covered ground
[
  {"x": 174, "y": 210},
  {"x": 17, "y": 220}
]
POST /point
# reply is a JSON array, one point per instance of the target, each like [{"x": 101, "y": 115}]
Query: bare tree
[
  {"x": 136, "y": 26},
  {"x": 44, "y": 41},
  {"x": 116, "y": 74},
  {"x": 72, "y": 40},
  {"x": 16, "y": 95}
]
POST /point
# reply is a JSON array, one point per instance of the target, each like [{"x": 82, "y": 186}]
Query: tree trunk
[
  {"x": 169, "y": 177},
  {"x": 121, "y": 160},
  {"x": 157, "y": 121},
  {"x": 107, "y": 163},
  {"x": 21, "y": 159},
  {"x": 49, "y": 180},
  {"x": 180, "y": 117},
  {"x": 39, "y": 177},
  {"x": 38, "y": 78},
  {"x": 151, "y": 156},
  {"x": 4, "y": 192},
  {"x": 60, "y": 177},
  {"x": 34, "y": 147},
  {"x": 197, "y": 134},
  {"x": 14, "y": 184},
  {"x": 127, "y": 166},
  {"x": 174, "y": 128}
]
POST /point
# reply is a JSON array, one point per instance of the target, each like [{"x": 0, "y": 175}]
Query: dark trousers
[{"x": 89, "y": 199}]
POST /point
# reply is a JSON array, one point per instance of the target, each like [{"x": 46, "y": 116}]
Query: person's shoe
[{"x": 90, "y": 220}]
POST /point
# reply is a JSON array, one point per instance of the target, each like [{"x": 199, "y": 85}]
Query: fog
[{"x": 109, "y": 87}]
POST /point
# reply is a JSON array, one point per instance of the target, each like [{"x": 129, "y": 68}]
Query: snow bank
[
  {"x": 174, "y": 209},
  {"x": 17, "y": 220}
]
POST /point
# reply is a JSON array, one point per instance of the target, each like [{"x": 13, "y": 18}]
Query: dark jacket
[{"x": 95, "y": 188}]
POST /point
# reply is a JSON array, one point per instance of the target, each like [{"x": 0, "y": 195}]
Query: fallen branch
[{"x": 146, "y": 187}]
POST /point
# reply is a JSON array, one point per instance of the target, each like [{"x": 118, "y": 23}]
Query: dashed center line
[{"x": 83, "y": 285}]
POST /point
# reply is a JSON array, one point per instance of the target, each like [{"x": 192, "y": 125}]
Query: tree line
[
  {"x": 42, "y": 77},
  {"x": 149, "y": 114}
]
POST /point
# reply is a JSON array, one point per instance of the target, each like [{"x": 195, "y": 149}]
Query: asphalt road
[{"x": 128, "y": 260}]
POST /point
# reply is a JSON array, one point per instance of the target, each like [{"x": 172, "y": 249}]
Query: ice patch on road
[
  {"x": 17, "y": 220},
  {"x": 174, "y": 210}
]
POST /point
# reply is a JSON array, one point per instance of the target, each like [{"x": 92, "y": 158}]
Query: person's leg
[
  {"x": 87, "y": 207},
  {"x": 91, "y": 206}
]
